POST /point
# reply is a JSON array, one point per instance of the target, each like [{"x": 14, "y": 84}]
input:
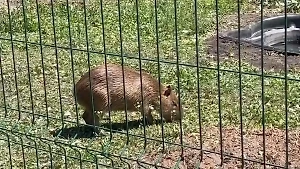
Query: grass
[{"x": 59, "y": 108}]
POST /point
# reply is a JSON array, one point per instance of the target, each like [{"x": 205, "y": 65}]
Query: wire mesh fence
[{"x": 238, "y": 102}]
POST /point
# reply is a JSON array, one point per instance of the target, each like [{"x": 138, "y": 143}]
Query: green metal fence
[{"x": 46, "y": 46}]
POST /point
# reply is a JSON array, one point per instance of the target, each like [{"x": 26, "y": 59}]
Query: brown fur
[{"x": 170, "y": 108}]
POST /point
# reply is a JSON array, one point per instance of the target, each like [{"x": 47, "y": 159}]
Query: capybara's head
[{"x": 170, "y": 106}]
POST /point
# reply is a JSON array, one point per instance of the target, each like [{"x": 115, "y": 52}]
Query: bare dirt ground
[
  {"x": 275, "y": 149},
  {"x": 249, "y": 53}
]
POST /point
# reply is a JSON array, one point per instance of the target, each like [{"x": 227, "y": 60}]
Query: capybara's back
[{"x": 113, "y": 83}]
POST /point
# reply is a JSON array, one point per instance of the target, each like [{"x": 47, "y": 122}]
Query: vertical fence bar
[
  {"x": 262, "y": 83},
  {"x": 178, "y": 76},
  {"x": 72, "y": 61},
  {"x": 36, "y": 153},
  {"x": 240, "y": 83},
  {"x": 106, "y": 71},
  {"x": 198, "y": 77},
  {"x": 95, "y": 156},
  {"x": 57, "y": 64},
  {"x": 42, "y": 57},
  {"x": 58, "y": 74},
  {"x": 27, "y": 59},
  {"x": 2, "y": 82},
  {"x": 9, "y": 151},
  {"x": 22, "y": 147},
  {"x": 89, "y": 64},
  {"x": 79, "y": 154},
  {"x": 23, "y": 153},
  {"x": 123, "y": 74},
  {"x": 140, "y": 67},
  {"x": 64, "y": 150},
  {"x": 14, "y": 59},
  {"x": 50, "y": 152},
  {"x": 159, "y": 75},
  {"x": 51, "y": 156},
  {"x": 219, "y": 83},
  {"x": 286, "y": 89},
  {"x": 35, "y": 147}
]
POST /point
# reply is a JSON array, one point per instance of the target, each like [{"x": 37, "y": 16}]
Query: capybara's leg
[
  {"x": 149, "y": 117},
  {"x": 91, "y": 118},
  {"x": 147, "y": 112},
  {"x": 167, "y": 117}
]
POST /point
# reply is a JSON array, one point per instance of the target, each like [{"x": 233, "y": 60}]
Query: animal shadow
[
  {"x": 85, "y": 131},
  {"x": 75, "y": 132}
]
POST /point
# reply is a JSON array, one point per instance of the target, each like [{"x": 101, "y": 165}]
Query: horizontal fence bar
[
  {"x": 149, "y": 138},
  {"x": 153, "y": 60},
  {"x": 47, "y": 151},
  {"x": 76, "y": 146}
]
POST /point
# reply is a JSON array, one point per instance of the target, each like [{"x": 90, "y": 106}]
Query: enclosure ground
[
  {"x": 58, "y": 54},
  {"x": 249, "y": 53},
  {"x": 275, "y": 149},
  {"x": 17, "y": 4},
  {"x": 272, "y": 60}
]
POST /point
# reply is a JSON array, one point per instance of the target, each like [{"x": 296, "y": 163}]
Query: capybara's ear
[{"x": 168, "y": 91}]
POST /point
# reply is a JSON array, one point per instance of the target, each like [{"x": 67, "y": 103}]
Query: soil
[
  {"x": 252, "y": 54},
  {"x": 253, "y": 151},
  {"x": 275, "y": 150}
]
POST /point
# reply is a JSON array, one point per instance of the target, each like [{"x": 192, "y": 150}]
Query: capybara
[{"x": 101, "y": 101}]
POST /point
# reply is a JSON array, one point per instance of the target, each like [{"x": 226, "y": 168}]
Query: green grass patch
[{"x": 24, "y": 98}]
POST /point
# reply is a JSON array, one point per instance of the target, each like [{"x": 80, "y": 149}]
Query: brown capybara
[{"x": 169, "y": 100}]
